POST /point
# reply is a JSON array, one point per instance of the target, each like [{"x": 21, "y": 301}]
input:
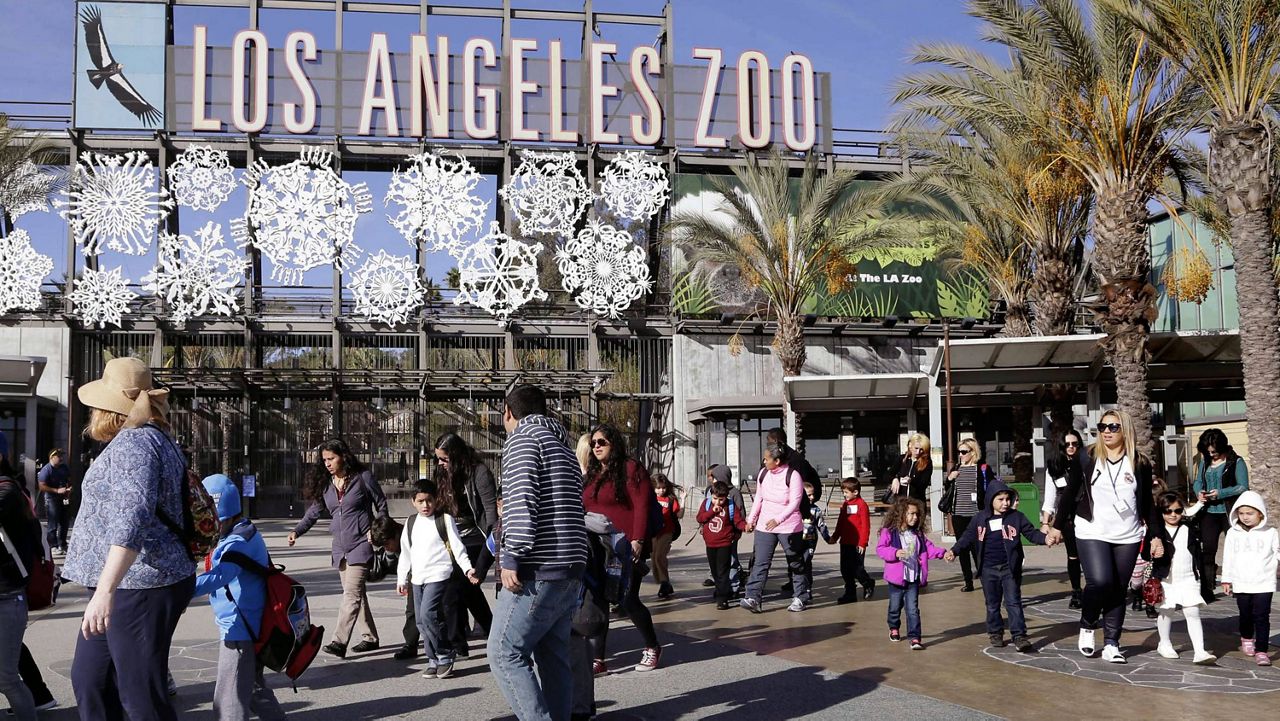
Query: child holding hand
[{"x": 906, "y": 552}]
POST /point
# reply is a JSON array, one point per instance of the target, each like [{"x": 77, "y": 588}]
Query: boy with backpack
[
  {"x": 427, "y": 558},
  {"x": 722, "y": 523},
  {"x": 238, "y": 596}
]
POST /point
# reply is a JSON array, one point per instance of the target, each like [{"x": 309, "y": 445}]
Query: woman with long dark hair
[
  {"x": 344, "y": 487},
  {"x": 618, "y": 487},
  {"x": 1066, "y": 469},
  {"x": 1221, "y": 476},
  {"x": 1108, "y": 510},
  {"x": 468, "y": 492}
]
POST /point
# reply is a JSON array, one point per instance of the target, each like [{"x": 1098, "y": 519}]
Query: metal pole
[{"x": 946, "y": 364}]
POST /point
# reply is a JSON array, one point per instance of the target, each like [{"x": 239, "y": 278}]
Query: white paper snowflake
[
  {"x": 201, "y": 178},
  {"x": 25, "y": 190},
  {"x": 22, "y": 271},
  {"x": 547, "y": 193},
  {"x": 438, "y": 204},
  {"x": 302, "y": 215},
  {"x": 387, "y": 288},
  {"x": 604, "y": 269},
  {"x": 499, "y": 274},
  {"x": 115, "y": 198},
  {"x": 102, "y": 297},
  {"x": 634, "y": 186},
  {"x": 197, "y": 275}
]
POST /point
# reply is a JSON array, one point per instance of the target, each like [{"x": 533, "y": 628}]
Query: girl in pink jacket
[
  {"x": 777, "y": 512},
  {"x": 906, "y": 552}
]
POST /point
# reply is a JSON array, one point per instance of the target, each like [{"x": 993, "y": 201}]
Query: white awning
[
  {"x": 895, "y": 391},
  {"x": 19, "y": 375}
]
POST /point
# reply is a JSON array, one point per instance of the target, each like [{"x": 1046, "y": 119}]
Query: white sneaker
[
  {"x": 1087, "y": 642},
  {"x": 1111, "y": 654},
  {"x": 1166, "y": 650},
  {"x": 796, "y": 606},
  {"x": 1204, "y": 658}
]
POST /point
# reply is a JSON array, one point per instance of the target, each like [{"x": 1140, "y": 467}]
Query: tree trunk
[
  {"x": 789, "y": 344},
  {"x": 1052, "y": 288},
  {"x": 1240, "y": 172},
  {"x": 1061, "y": 419},
  {"x": 1017, "y": 320},
  {"x": 1122, "y": 262}
]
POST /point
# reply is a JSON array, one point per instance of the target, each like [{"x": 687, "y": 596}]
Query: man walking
[
  {"x": 54, "y": 480},
  {"x": 543, "y": 556}
]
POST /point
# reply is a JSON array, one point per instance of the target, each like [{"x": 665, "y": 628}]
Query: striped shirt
[{"x": 544, "y": 535}]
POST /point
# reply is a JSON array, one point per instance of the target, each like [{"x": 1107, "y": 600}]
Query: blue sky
[{"x": 863, "y": 44}]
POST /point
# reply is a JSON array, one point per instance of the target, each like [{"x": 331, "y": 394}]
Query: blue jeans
[
  {"x": 429, "y": 601},
  {"x": 56, "y": 516},
  {"x": 997, "y": 582},
  {"x": 793, "y": 547},
  {"x": 533, "y": 626},
  {"x": 13, "y": 623},
  {"x": 908, "y": 596}
]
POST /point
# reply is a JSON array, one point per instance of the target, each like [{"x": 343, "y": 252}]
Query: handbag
[
  {"x": 1152, "y": 589},
  {"x": 947, "y": 502}
]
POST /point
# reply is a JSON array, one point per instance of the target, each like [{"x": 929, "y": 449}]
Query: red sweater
[
  {"x": 718, "y": 530},
  {"x": 631, "y": 519},
  {"x": 854, "y": 524},
  {"x": 670, "y": 512}
]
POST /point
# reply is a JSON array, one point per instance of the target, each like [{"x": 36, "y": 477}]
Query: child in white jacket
[{"x": 1249, "y": 572}]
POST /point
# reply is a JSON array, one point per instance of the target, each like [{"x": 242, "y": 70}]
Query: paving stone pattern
[{"x": 1232, "y": 674}]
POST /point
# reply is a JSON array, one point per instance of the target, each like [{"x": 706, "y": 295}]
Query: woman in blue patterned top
[{"x": 138, "y": 572}]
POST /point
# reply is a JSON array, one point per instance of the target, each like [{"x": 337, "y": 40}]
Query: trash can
[{"x": 1028, "y": 503}]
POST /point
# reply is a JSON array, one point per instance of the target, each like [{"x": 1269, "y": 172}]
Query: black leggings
[
  {"x": 1107, "y": 568},
  {"x": 467, "y": 597},
  {"x": 1212, "y": 525},
  {"x": 635, "y": 610},
  {"x": 969, "y": 558},
  {"x": 1073, "y": 560}
]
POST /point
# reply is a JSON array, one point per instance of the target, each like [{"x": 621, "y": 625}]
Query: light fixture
[
  {"x": 968, "y": 323},
  {"x": 889, "y": 321}
]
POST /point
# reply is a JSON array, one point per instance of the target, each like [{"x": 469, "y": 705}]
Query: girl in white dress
[{"x": 1177, "y": 564}]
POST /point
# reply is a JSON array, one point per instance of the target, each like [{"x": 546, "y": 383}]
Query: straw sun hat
[{"x": 126, "y": 388}]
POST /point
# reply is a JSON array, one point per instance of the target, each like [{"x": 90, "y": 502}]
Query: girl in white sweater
[{"x": 1249, "y": 572}]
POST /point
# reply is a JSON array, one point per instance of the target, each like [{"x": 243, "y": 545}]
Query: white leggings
[{"x": 1196, "y": 631}]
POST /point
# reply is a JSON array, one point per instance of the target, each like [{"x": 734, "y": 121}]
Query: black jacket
[
  {"x": 1160, "y": 567},
  {"x": 917, "y": 480},
  {"x": 23, "y": 531},
  {"x": 978, "y": 534},
  {"x": 1073, "y": 471},
  {"x": 1080, "y": 492}
]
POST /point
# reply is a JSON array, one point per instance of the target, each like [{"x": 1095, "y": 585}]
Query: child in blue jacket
[{"x": 238, "y": 597}]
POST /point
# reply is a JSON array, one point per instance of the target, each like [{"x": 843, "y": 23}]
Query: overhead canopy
[
  {"x": 857, "y": 392},
  {"x": 19, "y": 375},
  {"x": 1185, "y": 364}
]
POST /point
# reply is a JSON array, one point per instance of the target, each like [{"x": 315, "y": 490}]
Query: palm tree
[
  {"x": 788, "y": 239},
  {"x": 1230, "y": 49},
  {"x": 1093, "y": 98},
  {"x": 21, "y": 183}
]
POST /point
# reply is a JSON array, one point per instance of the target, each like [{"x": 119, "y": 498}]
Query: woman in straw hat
[{"x": 139, "y": 573}]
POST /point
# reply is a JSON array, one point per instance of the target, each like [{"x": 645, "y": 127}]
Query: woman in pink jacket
[{"x": 777, "y": 511}]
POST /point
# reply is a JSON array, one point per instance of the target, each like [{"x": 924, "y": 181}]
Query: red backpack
[
  {"x": 42, "y": 575},
  {"x": 286, "y": 640}
]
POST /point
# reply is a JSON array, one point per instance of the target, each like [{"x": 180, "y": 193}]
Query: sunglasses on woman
[
  {"x": 599, "y": 443},
  {"x": 966, "y": 451},
  {"x": 1108, "y": 427},
  {"x": 1172, "y": 511},
  {"x": 1072, "y": 444}
]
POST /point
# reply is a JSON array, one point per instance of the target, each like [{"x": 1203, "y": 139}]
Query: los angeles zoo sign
[{"x": 439, "y": 89}]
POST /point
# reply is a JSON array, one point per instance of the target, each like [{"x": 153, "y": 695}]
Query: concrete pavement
[{"x": 830, "y": 662}]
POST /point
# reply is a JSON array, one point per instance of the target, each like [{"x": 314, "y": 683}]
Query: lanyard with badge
[{"x": 1122, "y": 505}]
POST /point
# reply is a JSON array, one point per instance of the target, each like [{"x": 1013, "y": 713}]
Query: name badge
[
  {"x": 973, "y": 497},
  {"x": 1060, "y": 482},
  {"x": 1124, "y": 509},
  {"x": 853, "y": 510},
  {"x": 996, "y": 524}
]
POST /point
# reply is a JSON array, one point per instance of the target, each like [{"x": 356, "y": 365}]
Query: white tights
[{"x": 1196, "y": 631}]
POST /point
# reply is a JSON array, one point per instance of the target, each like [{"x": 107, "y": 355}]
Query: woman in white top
[{"x": 1108, "y": 509}]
